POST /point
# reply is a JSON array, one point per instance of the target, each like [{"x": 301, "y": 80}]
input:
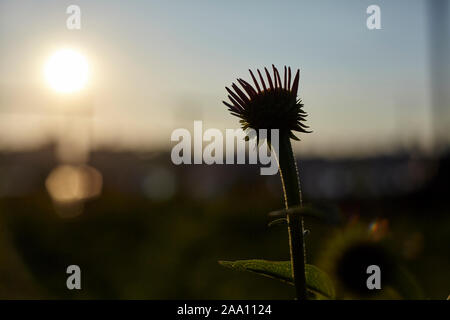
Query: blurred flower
[
  {"x": 271, "y": 107},
  {"x": 347, "y": 255}
]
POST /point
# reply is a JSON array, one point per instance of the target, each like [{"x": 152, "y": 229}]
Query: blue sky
[{"x": 160, "y": 65}]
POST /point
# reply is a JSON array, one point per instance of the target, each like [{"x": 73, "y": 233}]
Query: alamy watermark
[
  {"x": 374, "y": 280},
  {"x": 373, "y": 21},
  {"x": 74, "y": 280},
  {"x": 73, "y": 22},
  {"x": 235, "y": 147}
]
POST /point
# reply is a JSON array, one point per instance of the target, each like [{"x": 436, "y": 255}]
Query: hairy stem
[{"x": 292, "y": 198}]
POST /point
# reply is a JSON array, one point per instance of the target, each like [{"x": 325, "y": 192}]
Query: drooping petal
[
  {"x": 240, "y": 93},
  {"x": 231, "y": 107},
  {"x": 262, "y": 80},
  {"x": 254, "y": 80},
  {"x": 269, "y": 78},
  {"x": 248, "y": 88},
  {"x": 292, "y": 136},
  {"x": 289, "y": 79},
  {"x": 236, "y": 103},
  {"x": 301, "y": 124},
  {"x": 240, "y": 102},
  {"x": 236, "y": 114},
  {"x": 277, "y": 77},
  {"x": 295, "y": 83}
]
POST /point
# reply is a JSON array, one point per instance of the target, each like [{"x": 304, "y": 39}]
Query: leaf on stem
[
  {"x": 317, "y": 282},
  {"x": 329, "y": 215},
  {"x": 277, "y": 222},
  {"x": 302, "y": 211}
]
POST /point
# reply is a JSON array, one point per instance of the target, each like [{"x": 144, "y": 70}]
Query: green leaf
[
  {"x": 277, "y": 222},
  {"x": 317, "y": 281},
  {"x": 305, "y": 211},
  {"x": 324, "y": 213}
]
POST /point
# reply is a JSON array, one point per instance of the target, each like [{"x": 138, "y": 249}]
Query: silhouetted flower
[
  {"x": 276, "y": 107},
  {"x": 272, "y": 106}
]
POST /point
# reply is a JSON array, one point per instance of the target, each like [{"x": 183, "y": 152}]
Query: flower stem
[{"x": 292, "y": 198}]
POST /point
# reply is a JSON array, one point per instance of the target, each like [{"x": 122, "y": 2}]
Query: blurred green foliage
[{"x": 130, "y": 247}]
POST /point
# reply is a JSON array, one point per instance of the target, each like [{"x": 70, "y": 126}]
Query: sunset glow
[{"x": 67, "y": 71}]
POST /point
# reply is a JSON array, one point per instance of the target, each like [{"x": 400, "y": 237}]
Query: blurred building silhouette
[{"x": 152, "y": 175}]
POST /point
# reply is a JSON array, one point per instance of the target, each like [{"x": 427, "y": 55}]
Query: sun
[{"x": 67, "y": 71}]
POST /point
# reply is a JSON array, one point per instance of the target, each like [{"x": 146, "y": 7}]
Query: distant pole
[{"x": 440, "y": 69}]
